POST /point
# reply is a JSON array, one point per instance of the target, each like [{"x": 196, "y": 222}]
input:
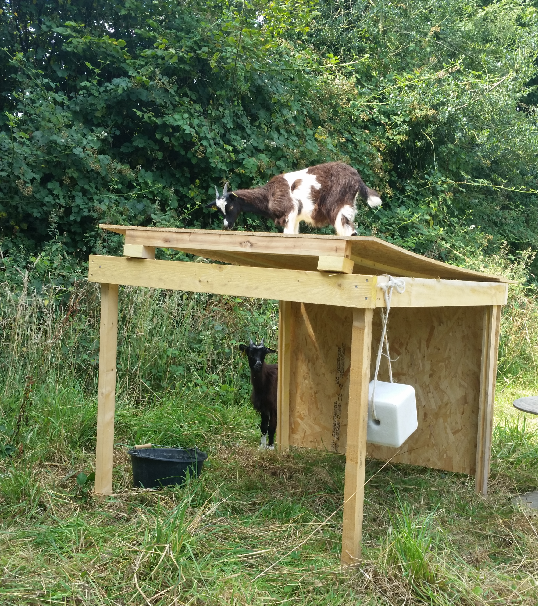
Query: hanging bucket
[
  {"x": 157, "y": 467},
  {"x": 396, "y": 410}
]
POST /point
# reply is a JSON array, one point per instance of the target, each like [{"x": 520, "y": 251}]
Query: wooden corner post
[
  {"x": 107, "y": 389},
  {"x": 488, "y": 375},
  {"x": 359, "y": 379},
  {"x": 283, "y": 398}
]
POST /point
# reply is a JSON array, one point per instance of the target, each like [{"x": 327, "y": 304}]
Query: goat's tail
[{"x": 370, "y": 196}]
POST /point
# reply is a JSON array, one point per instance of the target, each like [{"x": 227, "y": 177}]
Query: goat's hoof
[{"x": 272, "y": 447}]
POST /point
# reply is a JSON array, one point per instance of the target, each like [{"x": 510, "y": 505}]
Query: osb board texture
[
  {"x": 437, "y": 350},
  {"x": 319, "y": 375}
]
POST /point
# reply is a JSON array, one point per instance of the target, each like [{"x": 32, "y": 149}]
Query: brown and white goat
[
  {"x": 264, "y": 379},
  {"x": 320, "y": 195}
]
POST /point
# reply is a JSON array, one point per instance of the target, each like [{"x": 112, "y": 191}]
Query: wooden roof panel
[{"x": 290, "y": 251}]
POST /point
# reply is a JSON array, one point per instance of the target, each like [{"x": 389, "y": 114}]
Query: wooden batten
[
  {"x": 242, "y": 242},
  {"x": 443, "y": 293},
  {"x": 267, "y": 283},
  {"x": 283, "y": 397},
  {"x": 490, "y": 346},
  {"x": 335, "y": 264},
  {"x": 361, "y": 264},
  {"x": 359, "y": 378},
  {"x": 297, "y": 262},
  {"x": 138, "y": 251}
]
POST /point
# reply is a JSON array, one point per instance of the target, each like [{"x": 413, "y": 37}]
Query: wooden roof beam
[
  {"x": 443, "y": 293},
  {"x": 345, "y": 290},
  {"x": 352, "y": 290},
  {"x": 244, "y": 242}
]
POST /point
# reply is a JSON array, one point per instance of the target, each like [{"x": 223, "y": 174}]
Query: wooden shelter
[{"x": 443, "y": 330}]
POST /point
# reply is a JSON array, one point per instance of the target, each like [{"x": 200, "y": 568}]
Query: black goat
[
  {"x": 264, "y": 379},
  {"x": 320, "y": 195}
]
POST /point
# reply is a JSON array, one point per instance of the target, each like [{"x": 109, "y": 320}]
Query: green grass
[{"x": 257, "y": 527}]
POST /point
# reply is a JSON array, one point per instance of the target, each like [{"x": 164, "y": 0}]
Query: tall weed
[
  {"x": 20, "y": 493},
  {"x": 414, "y": 547},
  {"x": 51, "y": 333},
  {"x": 410, "y": 541},
  {"x": 171, "y": 338},
  {"x": 171, "y": 346},
  {"x": 166, "y": 339}
]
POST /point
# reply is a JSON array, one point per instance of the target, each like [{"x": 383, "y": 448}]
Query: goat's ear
[
  {"x": 243, "y": 347},
  {"x": 211, "y": 205},
  {"x": 269, "y": 350}
]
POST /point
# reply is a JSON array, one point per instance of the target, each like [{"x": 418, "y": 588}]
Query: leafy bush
[{"x": 132, "y": 111}]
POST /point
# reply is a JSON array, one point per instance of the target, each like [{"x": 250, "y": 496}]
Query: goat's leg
[
  {"x": 272, "y": 430},
  {"x": 292, "y": 225},
  {"x": 263, "y": 428}
]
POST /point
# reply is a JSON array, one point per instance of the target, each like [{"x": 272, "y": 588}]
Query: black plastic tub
[{"x": 157, "y": 467}]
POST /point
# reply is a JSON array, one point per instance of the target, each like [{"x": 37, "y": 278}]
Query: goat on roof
[{"x": 320, "y": 195}]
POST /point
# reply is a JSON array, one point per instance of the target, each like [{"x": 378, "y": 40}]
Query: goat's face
[
  {"x": 256, "y": 354},
  {"x": 228, "y": 204}
]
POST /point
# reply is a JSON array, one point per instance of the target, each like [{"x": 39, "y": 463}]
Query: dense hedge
[{"x": 131, "y": 111}]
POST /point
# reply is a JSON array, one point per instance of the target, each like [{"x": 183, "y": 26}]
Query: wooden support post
[
  {"x": 107, "y": 389},
  {"x": 283, "y": 398},
  {"x": 359, "y": 379},
  {"x": 490, "y": 345}
]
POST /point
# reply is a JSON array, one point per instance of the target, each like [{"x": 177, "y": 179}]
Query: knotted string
[{"x": 399, "y": 285}]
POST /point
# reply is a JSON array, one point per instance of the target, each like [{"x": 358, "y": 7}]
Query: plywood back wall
[
  {"x": 438, "y": 351},
  {"x": 319, "y": 375}
]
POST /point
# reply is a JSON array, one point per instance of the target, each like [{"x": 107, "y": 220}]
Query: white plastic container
[{"x": 396, "y": 410}]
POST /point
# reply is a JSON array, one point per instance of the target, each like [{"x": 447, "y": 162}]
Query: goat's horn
[
  {"x": 217, "y": 192},
  {"x": 261, "y": 344},
  {"x": 225, "y": 190},
  {"x": 251, "y": 342}
]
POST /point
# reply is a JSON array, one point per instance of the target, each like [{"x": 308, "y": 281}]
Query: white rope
[{"x": 399, "y": 285}]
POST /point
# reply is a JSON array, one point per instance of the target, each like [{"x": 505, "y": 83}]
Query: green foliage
[
  {"x": 131, "y": 112},
  {"x": 167, "y": 339},
  {"x": 444, "y": 85},
  {"x": 20, "y": 492},
  {"x": 137, "y": 130}
]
